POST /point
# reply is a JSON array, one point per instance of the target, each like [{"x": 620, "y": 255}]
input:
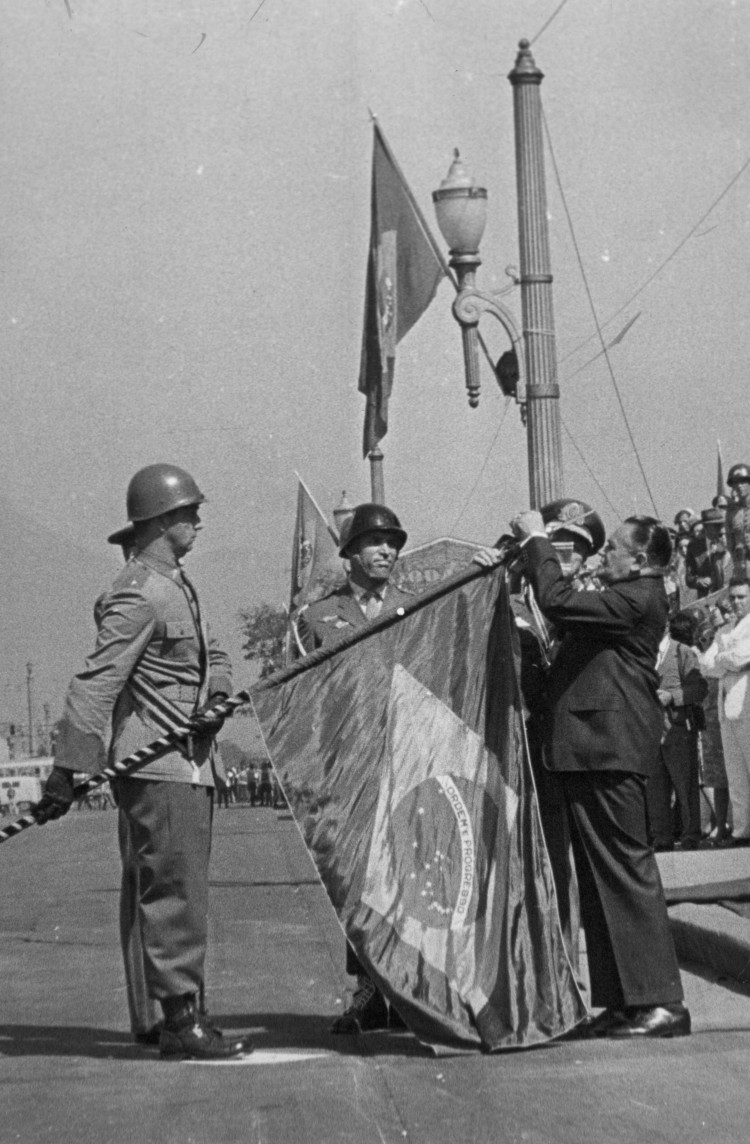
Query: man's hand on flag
[
  {"x": 528, "y": 524},
  {"x": 488, "y": 557}
]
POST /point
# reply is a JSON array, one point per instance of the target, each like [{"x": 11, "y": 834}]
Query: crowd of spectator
[
  {"x": 700, "y": 796},
  {"x": 254, "y": 784}
]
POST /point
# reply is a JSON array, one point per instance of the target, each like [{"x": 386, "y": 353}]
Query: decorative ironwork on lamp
[{"x": 461, "y": 211}]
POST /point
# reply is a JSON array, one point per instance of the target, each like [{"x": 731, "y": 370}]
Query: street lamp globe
[{"x": 461, "y": 210}]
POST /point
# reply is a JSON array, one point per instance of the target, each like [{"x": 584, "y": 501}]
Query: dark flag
[
  {"x": 316, "y": 565},
  {"x": 403, "y": 271},
  {"x": 401, "y": 752}
]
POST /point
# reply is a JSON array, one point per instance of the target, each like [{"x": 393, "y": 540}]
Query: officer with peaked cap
[
  {"x": 155, "y": 669},
  {"x": 576, "y": 533},
  {"x": 738, "y": 518},
  {"x": 371, "y": 543}
]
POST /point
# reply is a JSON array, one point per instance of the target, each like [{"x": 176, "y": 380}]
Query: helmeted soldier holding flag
[
  {"x": 371, "y": 543},
  {"x": 154, "y": 670}
]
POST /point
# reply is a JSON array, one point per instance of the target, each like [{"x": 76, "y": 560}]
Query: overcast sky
[{"x": 185, "y": 216}]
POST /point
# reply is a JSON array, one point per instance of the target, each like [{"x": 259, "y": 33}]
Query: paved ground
[{"x": 69, "y": 1073}]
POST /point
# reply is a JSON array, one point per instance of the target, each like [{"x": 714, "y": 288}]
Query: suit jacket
[
  {"x": 153, "y": 662},
  {"x": 707, "y": 561},
  {"x": 680, "y": 675},
  {"x": 602, "y": 709},
  {"x": 326, "y": 621}
]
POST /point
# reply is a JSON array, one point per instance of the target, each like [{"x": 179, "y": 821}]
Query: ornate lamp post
[{"x": 461, "y": 207}]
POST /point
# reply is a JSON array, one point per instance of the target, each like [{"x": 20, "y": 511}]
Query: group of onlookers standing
[
  {"x": 254, "y": 784},
  {"x": 704, "y": 666}
]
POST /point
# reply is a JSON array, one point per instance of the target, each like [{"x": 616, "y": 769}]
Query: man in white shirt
[{"x": 728, "y": 660}]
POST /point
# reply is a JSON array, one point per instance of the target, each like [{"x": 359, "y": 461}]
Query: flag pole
[{"x": 377, "y": 481}]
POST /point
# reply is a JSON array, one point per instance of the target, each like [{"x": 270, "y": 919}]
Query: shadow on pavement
[
  {"x": 66, "y": 1041},
  {"x": 280, "y": 1031}
]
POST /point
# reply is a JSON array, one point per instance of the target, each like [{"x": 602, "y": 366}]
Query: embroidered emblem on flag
[{"x": 429, "y": 873}]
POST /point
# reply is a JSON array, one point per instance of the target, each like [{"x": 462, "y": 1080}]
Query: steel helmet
[
  {"x": 738, "y": 473},
  {"x": 125, "y": 537},
  {"x": 158, "y": 489},
  {"x": 371, "y": 518},
  {"x": 568, "y": 515}
]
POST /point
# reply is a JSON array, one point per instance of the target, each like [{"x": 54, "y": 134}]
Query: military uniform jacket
[
  {"x": 326, "y": 621},
  {"x": 602, "y": 708},
  {"x": 738, "y": 535},
  {"x": 153, "y": 666}
]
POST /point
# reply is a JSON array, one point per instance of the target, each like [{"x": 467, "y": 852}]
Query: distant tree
[{"x": 263, "y": 629}]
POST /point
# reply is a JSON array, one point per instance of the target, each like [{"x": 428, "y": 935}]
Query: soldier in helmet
[
  {"x": 738, "y": 519},
  {"x": 371, "y": 544},
  {"x": 153, "y": 670}
]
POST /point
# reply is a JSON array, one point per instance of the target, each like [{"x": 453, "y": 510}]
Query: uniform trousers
[
  {"x": 165, "y": 841},
  {"x": 631, "y": 955},
  {"x": 735, "y": 739},
  {"x": 142, "y": 1008},
  {"x": 677, "y": 770}
]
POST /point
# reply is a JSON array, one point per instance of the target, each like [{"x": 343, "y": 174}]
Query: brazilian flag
[{"x": 402, "y": 754}]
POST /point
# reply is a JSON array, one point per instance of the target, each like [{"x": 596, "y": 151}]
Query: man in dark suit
[
  {"x": 708, "y": 565},
  {"x": 370, "y": 543},
  {"x": 602, "y": 732}
]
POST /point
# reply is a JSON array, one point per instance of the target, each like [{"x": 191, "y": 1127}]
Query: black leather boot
[
  {"x": 187, "y": 1035},
  {"x": 367, "y": 1011}
]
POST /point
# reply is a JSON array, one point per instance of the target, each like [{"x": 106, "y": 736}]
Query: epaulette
[{"x": 133, "y": 575}]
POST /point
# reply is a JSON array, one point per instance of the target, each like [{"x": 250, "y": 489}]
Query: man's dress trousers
[{"x": 602, "y": 732}]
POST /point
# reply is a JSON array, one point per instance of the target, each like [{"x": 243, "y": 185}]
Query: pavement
[
  {"x": 69, "y": 1072},
  {"x": 708, "y": 892}
]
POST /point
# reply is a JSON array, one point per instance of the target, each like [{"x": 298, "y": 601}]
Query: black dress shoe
[
  {"x": 150, "y": 1036},
  {"x": 654, "y": 1021},
  {"x": 367, "y": 1012},
  {"x": 599, "y": 1026},
  {"x": 187, "y": 1036}
]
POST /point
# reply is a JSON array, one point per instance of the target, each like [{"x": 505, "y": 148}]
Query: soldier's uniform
[
  {"x": 322, "y": 624},
  {"x": 154, "y": 671},
  {"x": 738, "y": 536},
  {"x": 153, "y": 666},
  {"x": 738, "y": 519},
  {"x": 326, "y": 621}
]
